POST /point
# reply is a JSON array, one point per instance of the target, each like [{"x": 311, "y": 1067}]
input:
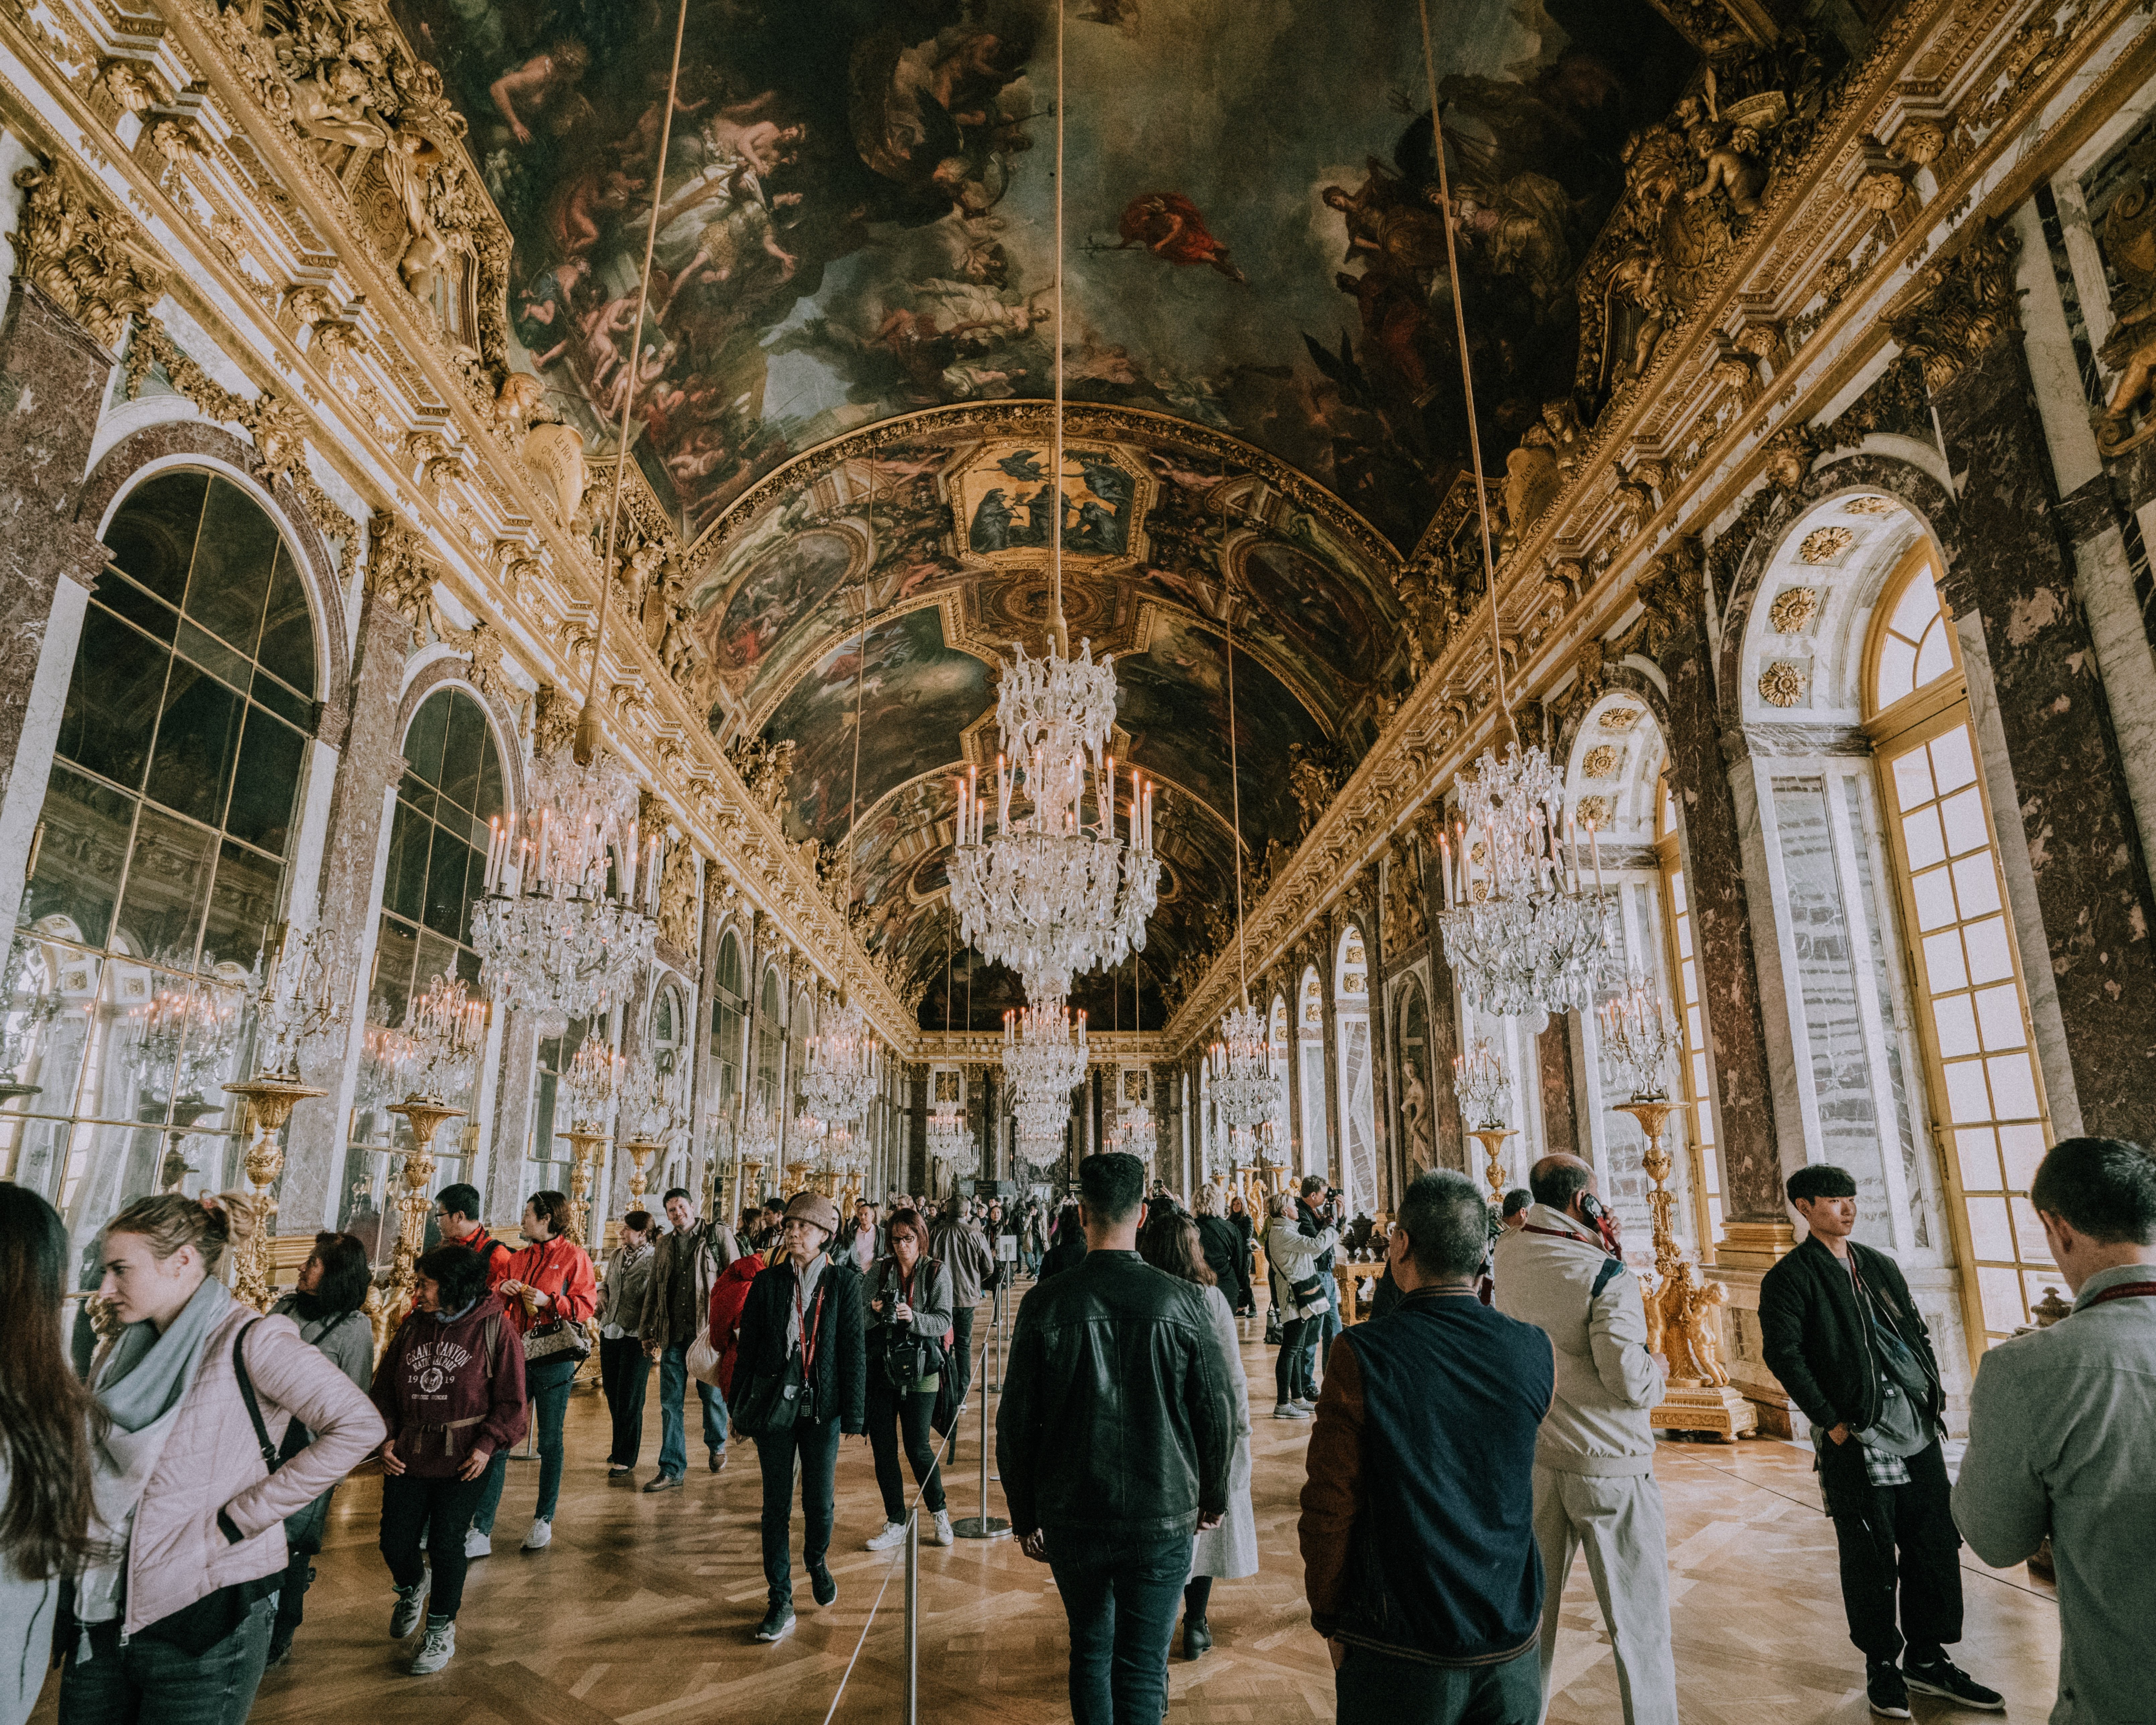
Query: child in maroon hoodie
[{"x": 450, "y": 1387}]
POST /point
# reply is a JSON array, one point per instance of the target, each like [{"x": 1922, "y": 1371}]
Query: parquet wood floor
[{"x": 639, "y": 1612}]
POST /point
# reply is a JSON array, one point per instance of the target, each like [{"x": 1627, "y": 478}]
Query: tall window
[
  {"x": 163, "y": 837},
  {"x": 549, "y": 1156},
  {"x": 451, "y": 789},
  {"x": 729, "y": 1021},
  {"x": 770, "y": 1071},
  {"x": 1310, "y": 1035},
  {"x": 1987, "y": 1099},
  {"x": 1359, "y": 1106},
  {"x": 1683, "y": 966}
]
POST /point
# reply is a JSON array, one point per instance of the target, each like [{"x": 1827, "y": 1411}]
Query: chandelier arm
[
  {"x": 1466, "y": 372},
  {"x": 587, "y": 722}
]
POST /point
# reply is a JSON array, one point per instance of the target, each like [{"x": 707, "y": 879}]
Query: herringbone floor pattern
[{"x": 639, "y": 1612}]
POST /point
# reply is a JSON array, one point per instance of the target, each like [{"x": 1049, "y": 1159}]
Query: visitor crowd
[{"x": 1489, "y": 1422}]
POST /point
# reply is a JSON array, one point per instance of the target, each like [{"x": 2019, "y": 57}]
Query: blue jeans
[
  {"x": 546, "y": 1392},
  {"x": 1317, "y": 1347},
  {"x": 1377, "y": 1689},
  {"x": 673, "y": 1393},
  {"x": 151, "y": 1682},
  {"x": 816, "y": 1445},
  {"x": 1121, "y": 1595}
]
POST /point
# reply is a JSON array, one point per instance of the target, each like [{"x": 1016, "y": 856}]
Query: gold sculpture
[
  {"x": 1680, "y": 1324},
  {"x": 269, "y": 1103}
]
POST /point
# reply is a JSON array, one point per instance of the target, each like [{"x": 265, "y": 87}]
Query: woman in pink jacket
[{"x": 172, "y": 1626}]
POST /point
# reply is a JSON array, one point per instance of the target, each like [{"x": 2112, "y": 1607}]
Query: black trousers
[
  {"x": 430, "y": 1516},
  {"x": 962, "y": 1349},
  {"x": 1895, "y": 1539},
  {"x": 894, "y": 1419},
  {"x": 815, "y": 1447},
  {"x": 624, "y": 1374}
]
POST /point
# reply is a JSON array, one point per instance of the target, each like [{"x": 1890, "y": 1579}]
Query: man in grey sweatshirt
[
  {"x": 1594, "y": 1461},
  {"x": 2062, "y": 1430}
]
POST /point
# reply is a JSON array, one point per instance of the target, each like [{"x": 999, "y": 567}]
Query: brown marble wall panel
[
  {"x": 914, "y": 1176},
  {"x": 1729, "y": 975},
  {"x": 2013, "y": 569},
  {"x": 51, "y": 375},
  {"x": 1553, "y": 1075},
  {"x": 1447, "y": 1131}
]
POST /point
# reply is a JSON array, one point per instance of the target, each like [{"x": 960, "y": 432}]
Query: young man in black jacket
[
  {"x": 1844, "y": 1338},
  {"x": 1114, "y": 1440}
]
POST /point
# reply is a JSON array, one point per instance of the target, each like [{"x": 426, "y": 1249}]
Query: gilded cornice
[{"x": 1686, "y": 440}]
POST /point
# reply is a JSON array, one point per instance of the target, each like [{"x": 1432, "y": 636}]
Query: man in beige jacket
[{"x": 1594, "y": 1478}]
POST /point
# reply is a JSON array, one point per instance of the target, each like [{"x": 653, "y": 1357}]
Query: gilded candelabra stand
[
  {"x": 443, "y": 1031},
  {"x": 1492, "y": 1141},
  {"x": 640, "y": 1152},
  {"x": 1680, "y": 1314},
  {"x": 423, "y": 1116},
  {"x": 270, "y": 1100},
  {"x": 1485, "y": 1092},
  {"x": 584, "y": 1157}
]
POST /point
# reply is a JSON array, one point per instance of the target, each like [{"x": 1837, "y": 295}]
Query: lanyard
[
  {"x": 1576, "y": 1238},
  {"x": 2122, "y": 1291},
  {"x": 809, "y": 1329}
]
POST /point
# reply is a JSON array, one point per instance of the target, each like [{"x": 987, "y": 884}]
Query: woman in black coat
[
  {"x": 800, "y": 1380},
  {"x": 1235, "y": 1284},
  {"x": 1070, "y": 1247}
]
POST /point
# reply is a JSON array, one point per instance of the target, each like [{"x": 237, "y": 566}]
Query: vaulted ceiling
[{"x": 838, "y": 389}]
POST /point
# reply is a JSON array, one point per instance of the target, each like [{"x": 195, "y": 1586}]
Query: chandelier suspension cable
[
  {"x": 587, "y": 722},
  {"x": 1235, "y": 798},
  {"x": 1466, "y": 379},
  {"x": 1060, "y": 631}
]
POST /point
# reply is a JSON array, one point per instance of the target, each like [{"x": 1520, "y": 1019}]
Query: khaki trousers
[{"x": 1619, "y": 1523}]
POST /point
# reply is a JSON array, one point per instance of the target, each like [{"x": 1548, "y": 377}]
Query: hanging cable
[
  {"x": 1058, "y": 628},
  {"x": 585, "y": 748},
  {"x": 1235, "y": 794},
  {"x": 1504, "y": 732}
]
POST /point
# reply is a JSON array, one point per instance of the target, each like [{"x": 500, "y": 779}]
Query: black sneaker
[
  {"x": 823, "y": 1586},
  {"x": 777, "y": 1621},
  {"x": 1942, "y": 1678},
  {"x": 1883, "y": 1687}
]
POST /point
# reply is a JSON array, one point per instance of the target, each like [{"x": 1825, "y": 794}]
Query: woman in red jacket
[
  {"x": 549, "y": 1291},
  {"x": 729, "y": 1294},
  {"x": 450, "y": 1387}
]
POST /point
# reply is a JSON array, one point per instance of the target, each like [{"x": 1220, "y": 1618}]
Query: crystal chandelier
[
  {"x": 302, "y": 996},
  {"x": 438, "y": 1049},
  {"x": 1245, "y": 1087},
  {"x": 1479, "y": 1080},
  {"x": 189, "y": 1030},
  {"x": 1521, "y": 930},
  {"x": 569, "y": 917},
  {"x": 1045, "y": 1054},
  {"x": 843, "y": 1069},
  {"x": 1134, "y": 1131},
  {"x": 1051, "y": 894},
  {"x": 1640, "y": 1037},
  {"x": 593, "y": 1076},
  {"x": 759, "y": 1139},
  {"x": 651, "y": 1110},
  {"x": 948, "y": 1138}
]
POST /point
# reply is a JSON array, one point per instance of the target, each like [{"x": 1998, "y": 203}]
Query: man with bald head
[{"x": 1594, "y": 1477}]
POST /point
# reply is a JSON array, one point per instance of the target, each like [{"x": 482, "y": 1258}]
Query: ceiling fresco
[{"x": 836, "y": 393}]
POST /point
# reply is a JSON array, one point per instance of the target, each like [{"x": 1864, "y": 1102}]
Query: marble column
[
  {"x": 1385, "y": 1087},
  {"x": 916, "y": 1128},
  {"x": 1448, "y": 1136},
  {"x": 1755, "y": 1218},
  {"x": 1553, "y": 1074},
  {"x": 370, "y": 762},
  {"x": 52, "y": 376},
  {"x": 2012, "y": 573}
]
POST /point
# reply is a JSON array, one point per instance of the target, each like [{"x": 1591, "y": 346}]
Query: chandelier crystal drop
[
  {"x": 1050, "y": 893},
  {"x": 1485, "y": 1092},
  {"x": 843, "y": 1068},
  {"x": 438, "y": 1051},
  {"x": 1521, "y": 929},
  {"x": 1044, "y": 1053},
  {"x": 571, "y": 897}
]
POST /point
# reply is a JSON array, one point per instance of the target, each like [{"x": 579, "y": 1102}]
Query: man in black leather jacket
[{"x": 1114, "y": 1440}]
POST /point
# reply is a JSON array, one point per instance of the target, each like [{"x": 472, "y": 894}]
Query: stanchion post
[
  {"x": 984, "y": 1526},
  {"x": 912, "y": 1619}
]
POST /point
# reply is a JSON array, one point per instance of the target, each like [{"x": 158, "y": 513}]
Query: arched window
[
  {"x": 167, "y": 819},
  {"x": 769, "y": 1047},
  {"x": 1988, "y": 1098},
  {"x": 451, "y": 789},
  {"x": 1310, "y": 1040},
  {"x": 1691, "y": 1016},
  {"x": 1281, "y": 1151},
  {"x": 1359, "y": 1106},
  {"x": 729, "y": 1023}
]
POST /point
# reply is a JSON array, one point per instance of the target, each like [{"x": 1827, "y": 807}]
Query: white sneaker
[
  {"x": 437, "y": 1651},
  {"x": 893, "y": 1536},
  {"x": 541, "y": 1535},
  {"x": 944, "y": 1536},
  {"x": 1291, "y": 1410},
  {"x": 478, "y": 1544}
]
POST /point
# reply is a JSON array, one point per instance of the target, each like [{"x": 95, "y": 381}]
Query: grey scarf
[{"x": 147, "y": 1373}]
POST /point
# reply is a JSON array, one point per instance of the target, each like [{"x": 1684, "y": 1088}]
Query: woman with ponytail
[
  {"x": 171, "y": 1621},
  {"x": 46, "y": 1418}
]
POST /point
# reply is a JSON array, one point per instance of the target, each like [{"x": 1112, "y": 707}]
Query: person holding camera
[
  {"x": 1594, "y": 1457},
  {"x": 909, "y": 1331},
  {"x": 1297, "y": 1260},
  {"x": 1319, "y": 1210}
]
